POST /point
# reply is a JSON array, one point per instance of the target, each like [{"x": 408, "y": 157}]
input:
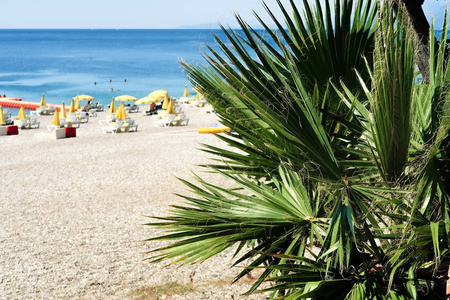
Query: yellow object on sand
[
  {"x": 213, "y": 129},
  {"x": 170, "y": 108},
  {"x": 72, "y": 107},
  {"x": 186, "y": 92},
  {"x": 146, "y": 100},
  {"x": 158, "y": 94},
  {"x": 112, "y": 107},
  {"x": 21, "y": 114},
  {"x": 55, "y": 120},
  {"x": 62, "y": 113},
  {"x": 121, "y": 114},
  {"x": 42, "y": 103},
  {"x": 125, "y": 98},
  {"x": 77, "y": 104},
  {"x": 166, "y": 102},
  {"x": 198, "y": 96},
  {"x": 84, "y": 97},
  {"x": 2, "y": 116}
]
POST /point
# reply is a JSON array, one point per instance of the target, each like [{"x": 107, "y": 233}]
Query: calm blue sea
[{"x": 65, "y": 63}]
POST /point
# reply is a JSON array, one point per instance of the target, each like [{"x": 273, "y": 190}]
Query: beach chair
[
  {"x": 113, "y": 128},
  {"x": 74, "y": 119},
  {"x": 84, "y": 116},
  {"x": 131, "y": 125},
  {"x": 75, "y": 122},
  {"x": 184, "y": 120},
  {"x": 165, "y": 122},
  {"x": 132, "y": 109},
  {"x": 6, "y": 113},
  {"x": 22, "y": 124},
  {"x": 104, "y": 122},
  {"x": 34, "y": 123},
  {"x": 93, "y": 112},
  {"x": 207, "y": 110},
  {"x": 41, "y": 110},
  {"x": 111, "y": 117},
  {"x": 99, "y": 107}
]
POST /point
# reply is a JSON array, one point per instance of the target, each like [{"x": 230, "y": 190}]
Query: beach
[{"x": 73, "y": 213}]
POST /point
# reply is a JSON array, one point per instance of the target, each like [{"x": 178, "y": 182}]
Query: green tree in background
[{"x": 341, "y": 165}]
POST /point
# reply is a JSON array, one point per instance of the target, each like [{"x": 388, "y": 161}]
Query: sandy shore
[{"x": 72, "y": 212}]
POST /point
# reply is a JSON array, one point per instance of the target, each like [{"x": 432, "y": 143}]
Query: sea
[{"x": 102, "y": 63}]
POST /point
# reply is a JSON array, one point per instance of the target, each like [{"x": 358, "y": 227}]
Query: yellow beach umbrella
[
  {"x": 146, "y": 100},
  {"x": 198, "y": 96},
  {"x": 125, "y": 98},
  {"x": 72, "y": 107},
  {"x": 158, "y": 94},
  {"x": 62, "y": 113},
  {"x": 42, "y": 103},
  {"x": 21, "y": 114},
  {"x": 112, "y": 107},
  {"x": 55, "y": 120},
  {"x": 84, "y": 97},
  {"x": 121, "y": 114},
  {"x": 166, "y": 102},
  {"x": 170, "y": 108},
  {"x": 186, "y": 92},
  {"x": 2, "y": 116},
  {"x": 77, "y": 104}
]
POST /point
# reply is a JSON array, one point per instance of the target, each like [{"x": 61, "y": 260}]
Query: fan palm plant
[{"x": 342, "y": 181}]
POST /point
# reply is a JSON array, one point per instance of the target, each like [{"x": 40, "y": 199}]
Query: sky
[{"x": 146, "y": 14}]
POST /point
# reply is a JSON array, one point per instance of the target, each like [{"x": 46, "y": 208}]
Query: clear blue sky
[{"x": 143, "y": 13}]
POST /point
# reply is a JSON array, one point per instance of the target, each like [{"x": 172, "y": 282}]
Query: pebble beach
[{"x": 73, "y": 213}]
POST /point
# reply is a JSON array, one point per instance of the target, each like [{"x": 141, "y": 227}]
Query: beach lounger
[
  {"x": 104, "y": 122},
  {"x": 184, "y": 120},
  {"x": 113, "y": 128},
  {"x": 93, "y": 112},
  {"x": 75, "y": 120},
  {"x": 99, "y": 107},
  {"x": 84, "y": 116},
  {"x": 165, "y": 122},
  {"x": 7, "y": 113},
  {"x": 34, "y": 123},
  {"x": 22, "y": 124},
  {"x": 131, "y": 125},
  {"x": 132, "y": 109},
  {"x": 208, "y": 109}
]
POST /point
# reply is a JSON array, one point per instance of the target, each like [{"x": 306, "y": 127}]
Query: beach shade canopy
[
  {"x": 158, "y": 94},
  {"x": 170, "y": 108},
  {"x": 121, "y": 114},
  {"x": 125, "y": 98},
  {"x": 42, "y": 103},
  {"x": 77, "y": 104},
  {"x": 186, "y": 92},
  {"x": 21, "y": 114},
  {"x": 2, "y": 116},
  {"x": 62, "y": 113},
  {"x": 146, "y": 100},
  {"x": 112, "y": 107},
  {"x": 84, "y": 97},
  {"x": 55, "y": 120},
  {"x": 72, "y": 107}
]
